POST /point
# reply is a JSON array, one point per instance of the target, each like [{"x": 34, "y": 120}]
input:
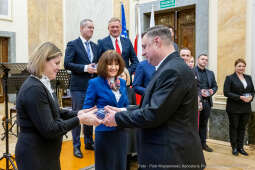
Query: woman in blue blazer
[
  {"x": 239, "y": 90},
  {"x": 108, "y": 89}
]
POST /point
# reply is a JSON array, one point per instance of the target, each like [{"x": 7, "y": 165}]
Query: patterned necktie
[
  {"x": 117, "y": 47},
  {"x": 88, "y": 51}
]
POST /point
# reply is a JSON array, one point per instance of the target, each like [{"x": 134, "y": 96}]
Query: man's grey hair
[
  {"x": 84, "y": 22},
  {"x": 114, "y": 19},
  {"x": 162, "y": 31}
]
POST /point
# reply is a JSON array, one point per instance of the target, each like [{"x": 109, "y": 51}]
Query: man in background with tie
[
  {"x": 81, "y": 57},
  {"x": 122, "y": 45}
]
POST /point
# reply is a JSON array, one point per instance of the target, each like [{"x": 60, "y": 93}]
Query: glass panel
[{"x": 3, "y": 7}]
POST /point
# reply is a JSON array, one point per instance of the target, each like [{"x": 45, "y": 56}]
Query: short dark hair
[
  {"x": 160, "y": 30},
  {"x": 202, "y": 54},
  {"x": 240, "y": 60},
  {"x": 108, "y": 58}
]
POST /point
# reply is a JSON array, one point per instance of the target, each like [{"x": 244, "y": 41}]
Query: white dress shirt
[
  {"x": 113, "y": 42},
  {"x": 156, "y": 67},
  {"x": 91, "y": 52},
  {"x": 244, "y": 83}
]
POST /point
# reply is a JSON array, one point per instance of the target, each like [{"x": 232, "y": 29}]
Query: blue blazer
[
  {"x": 100, "y": 94},
  {"x": 143, "y": 74},
  {"x": 128, "y": 52},
  {"x": 75, "y": 59}
]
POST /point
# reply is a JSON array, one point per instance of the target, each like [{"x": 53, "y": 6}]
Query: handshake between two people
[{"x": 95, "y": 116}]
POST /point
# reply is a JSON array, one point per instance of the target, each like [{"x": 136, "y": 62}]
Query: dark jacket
[
  {"x": 233, "y": 89},
  {"x": 143, "y": 74},
  {"x": 75, "y": 59},
  {"x": 211, "y": 82},
  {"x": 131, "y": 96},
  {"x": 128, "y": 53},
  {"x": 167, "y": 118},
  {"x": 42, "y": 125}
]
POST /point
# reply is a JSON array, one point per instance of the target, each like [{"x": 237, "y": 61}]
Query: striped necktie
[{"x": 88, "y": 51}]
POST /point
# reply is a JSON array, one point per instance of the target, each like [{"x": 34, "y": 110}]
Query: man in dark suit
[
  {"x": 143, "y": 75},
  {"x": 122, "y": 45},
  {"x": 208, "y": 86},
  {"x": 167, "y": 117},
  {"x": 81, "y": 57}
]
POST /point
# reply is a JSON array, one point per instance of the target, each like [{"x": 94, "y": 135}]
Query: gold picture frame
[{"x": 6, "y": 12}]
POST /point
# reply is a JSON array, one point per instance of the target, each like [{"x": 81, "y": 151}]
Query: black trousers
[
  {"x": 237, "y": 124},
  {"x": 77, "y": 104},
  {"x": 203, "y": 121}
]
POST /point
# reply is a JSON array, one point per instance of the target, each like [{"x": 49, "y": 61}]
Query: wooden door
[
  {"x": 183, "y": 22},
  {"x": 167, "y": 19},
  {"x": 186, "y": 30},
  {"x": 3, "y": 59}
]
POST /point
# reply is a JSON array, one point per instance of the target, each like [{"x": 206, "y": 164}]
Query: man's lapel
[
  {"x": 123, "y": 45},
  {"x": 93, "y": 47},
  {"x": 109, "y": 43},
  {"x": 83, "y": 50},
  {"x": 208, "y": 78}
]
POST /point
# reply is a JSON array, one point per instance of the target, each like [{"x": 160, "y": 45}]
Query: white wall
[
  {"x": 19, "y": 25},
  {"x": 132, "y": 19},
  {"x": 100, "y": 11}
]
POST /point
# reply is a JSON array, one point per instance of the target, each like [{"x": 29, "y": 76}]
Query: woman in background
[
  {"x": 108, "y": 89},
  {"x": 239, "y": 90},
  {"x": 42, "y": 123},
  {"x": 130, "y": 91}
]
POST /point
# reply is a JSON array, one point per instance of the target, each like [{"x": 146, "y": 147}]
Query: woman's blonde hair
[
  {"x": 43, "y": 53},
  {"x": 126, "y": 72}
]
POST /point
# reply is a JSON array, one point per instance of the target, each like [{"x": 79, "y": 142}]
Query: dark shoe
[
  {"x": 90, "y": 147},
  {"x": 207, "y": 148},
  {"x": 242, "y": 151},
  {"x": 77, "y": 152},
  {"x": 235, "y": 151}
]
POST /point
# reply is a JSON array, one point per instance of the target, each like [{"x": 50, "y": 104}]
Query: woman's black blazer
[
  {"x": 233, "y": 89},
  {"x": 42, "y": 125}
]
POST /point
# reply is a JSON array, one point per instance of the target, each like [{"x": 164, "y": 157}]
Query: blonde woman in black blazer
[
  {"x": 239, "y": 90},
  {"x": 42, "y": 123}
]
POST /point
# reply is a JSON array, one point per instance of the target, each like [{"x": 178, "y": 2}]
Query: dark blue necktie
[{"x": 88, "y": 51}]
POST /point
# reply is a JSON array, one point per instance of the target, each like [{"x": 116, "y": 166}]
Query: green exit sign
[{"x": 167, "y": 4}]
